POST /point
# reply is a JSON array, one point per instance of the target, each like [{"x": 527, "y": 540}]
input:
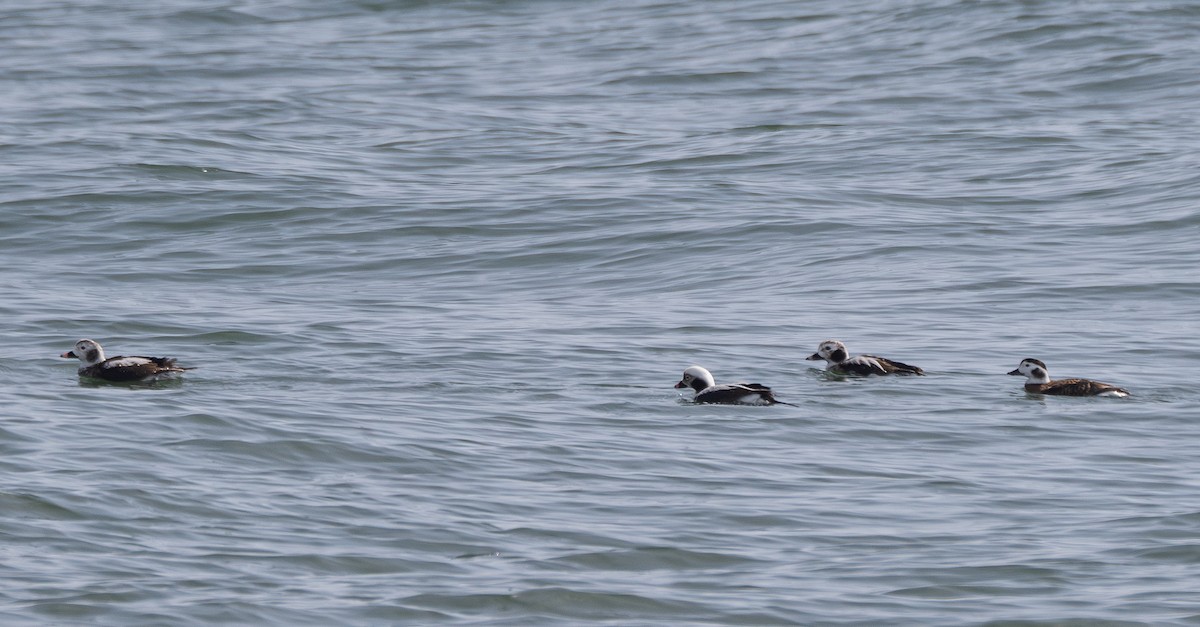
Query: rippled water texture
[{"x": 438, "y": 265}]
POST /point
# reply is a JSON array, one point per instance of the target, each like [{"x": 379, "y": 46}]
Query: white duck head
[
  {"x": 831, "y": 351},
  {"x": 1034, "y": 369},
  {"x": 696, "y": 378},
  {"x": 88, "y": 351}
]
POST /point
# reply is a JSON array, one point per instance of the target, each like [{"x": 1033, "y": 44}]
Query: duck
[
  {"x": 1038, "y": 382},
  {"x": 120, "y": 369},
  {"x": 707, "y": 391},
  {"x": 840, "y": 361}
]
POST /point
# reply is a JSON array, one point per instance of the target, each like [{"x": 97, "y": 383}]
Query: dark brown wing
[
  {"x": 733, "y": 394},
  {"x": 123, "y": 368},
  {"x": 1078, "y": 387},
  {"x": 854, "y": 365},
  {"x": 895, "y": 367},
  {"x": 870, "y": 364}
]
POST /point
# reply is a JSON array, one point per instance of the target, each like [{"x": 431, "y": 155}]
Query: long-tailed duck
[
  {"x": 707, "y": 390},
  {"x": 122, "y": 369},
  {"x": 840, "y": 361},
  {"x": 1038, "y": 382}
]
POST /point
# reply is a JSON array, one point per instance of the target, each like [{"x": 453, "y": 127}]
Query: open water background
[{"x": 439, "y": 264}]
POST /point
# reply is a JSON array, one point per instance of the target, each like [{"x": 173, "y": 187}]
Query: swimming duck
[
  {"x": 707, "y": 391},
  {"x": 1038, "y": 382},
  {"x": 840, "y": 361},
  {"x": 120, "y": 369}
]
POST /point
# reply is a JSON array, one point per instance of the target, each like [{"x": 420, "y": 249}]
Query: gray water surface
[{"x": 438, "y": 265}]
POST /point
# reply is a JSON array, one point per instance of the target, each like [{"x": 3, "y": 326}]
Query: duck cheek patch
[
  {"x": 92, "y": 355},
  {"x": 838, "y": 355},
  {"x": 1039, "y": 373}
]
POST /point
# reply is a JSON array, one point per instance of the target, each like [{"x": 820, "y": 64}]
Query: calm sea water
[{"x": 438, "y": 265}]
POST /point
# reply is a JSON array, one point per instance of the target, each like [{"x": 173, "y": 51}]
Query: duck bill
[
  {"x": 68, "y": 355},
  {"x": 814, "y": 357},
  {"x": 1016, "y": 373},
  {"x": 680, "y": 385}
]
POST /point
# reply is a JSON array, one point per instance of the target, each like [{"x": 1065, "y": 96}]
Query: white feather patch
[
  {"x": 866, "y": 361},
  {"x": 127, "y": 361}
]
